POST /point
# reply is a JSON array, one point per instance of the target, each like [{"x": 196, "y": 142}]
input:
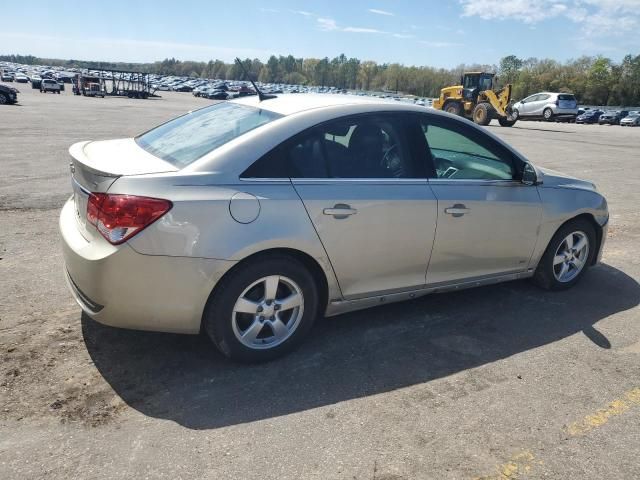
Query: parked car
[
  {"x": 590, "y": 116},
  {"x": 547, "y": 106},
  {"x": 8, "y": 95},
  {"x": 612, "y": 118},
  {"x": 255, "y": 223},
  {"x": 6, "y": 77},
  {"x": 21, "y": 78},
  {"x": 48, "y": 85},
  {"x": 631, "y": 120},
  {"x": 36, "y": 82},
  {"x": 217, "y": 95}
]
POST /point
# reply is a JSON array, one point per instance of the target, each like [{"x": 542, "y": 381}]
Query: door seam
[{"x": 320, "y": 240}]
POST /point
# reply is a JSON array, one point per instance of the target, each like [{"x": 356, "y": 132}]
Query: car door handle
[
  {"x": 457, "y": 210},
  {"x": 340, "y": 210}
]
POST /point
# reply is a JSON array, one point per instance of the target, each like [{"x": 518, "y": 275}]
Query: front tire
[
  {"x": 482, "y": 114},
  {"x": 3, "y": 99},
  {"x": 505, "y": 122},
  {"x": 567, "y": 257},
  {"x": 263, "y": 309}
]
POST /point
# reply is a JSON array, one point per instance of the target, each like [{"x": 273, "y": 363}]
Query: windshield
[{"x": 185, "y": 139}]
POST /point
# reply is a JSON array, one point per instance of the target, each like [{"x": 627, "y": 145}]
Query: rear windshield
[
  {"x": 566, "y": 97},
  {"x": 185, "y": 139}
]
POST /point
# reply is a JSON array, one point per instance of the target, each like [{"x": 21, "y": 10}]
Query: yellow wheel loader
[{"x": 476, "y": 99}]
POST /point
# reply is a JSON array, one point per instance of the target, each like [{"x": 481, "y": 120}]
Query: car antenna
[{"x": 261, "y": 96}]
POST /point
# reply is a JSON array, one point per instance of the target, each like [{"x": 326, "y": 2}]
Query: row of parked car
[{"x": 624, "y": 118}]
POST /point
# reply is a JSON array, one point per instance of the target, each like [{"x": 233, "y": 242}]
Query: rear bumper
[
  {"x": 565, "y": 112},
  {"x": 119, "y": 287}
]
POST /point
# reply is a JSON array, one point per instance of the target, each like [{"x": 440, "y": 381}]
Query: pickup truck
[{"x": 48, "y": 85}]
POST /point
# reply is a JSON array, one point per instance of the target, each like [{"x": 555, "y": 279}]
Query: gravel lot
[{"x": 501, "y": 382}]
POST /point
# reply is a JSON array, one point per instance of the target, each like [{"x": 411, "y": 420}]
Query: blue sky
[{"x": 418, "y": 32}]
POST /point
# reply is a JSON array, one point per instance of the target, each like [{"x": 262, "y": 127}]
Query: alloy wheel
[
  {"x": 267, "y": 312},
  {"x": 571, "y": 256}
]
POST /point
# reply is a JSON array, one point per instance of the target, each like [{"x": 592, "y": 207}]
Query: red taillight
[{"x": 120, "y": 217}]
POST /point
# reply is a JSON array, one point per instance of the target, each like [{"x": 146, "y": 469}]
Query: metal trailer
[{"x": 122, "y": 83}]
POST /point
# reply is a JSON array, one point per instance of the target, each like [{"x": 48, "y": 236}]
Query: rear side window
[
  {"x": 566, "y": 97},
  {"x": 363, "y": 146},
  {"x": 185, "y": 139}
]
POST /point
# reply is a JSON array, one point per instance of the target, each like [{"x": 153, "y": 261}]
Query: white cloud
[
  {"x": 429, "y": 43},
  {"x": 381, "y": 12},
  {"x": 597, "y": 17},
  {"x": 362, "y": 30},
  {"x": 303, "y": 13},
  {"x": 327, "y": 24},
  {"x": 403, "y": 35}
]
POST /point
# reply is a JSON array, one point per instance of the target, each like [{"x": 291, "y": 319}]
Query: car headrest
[{"x": 338, "y": 129}]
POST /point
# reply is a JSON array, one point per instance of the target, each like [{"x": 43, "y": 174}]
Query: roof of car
[{"x": 288, "y": 104}]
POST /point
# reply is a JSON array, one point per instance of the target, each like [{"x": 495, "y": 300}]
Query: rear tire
[
  {"x": 229, "y": 325},
  {"x": 453, "y": 108},
  {"x": 547, "y": 114},
  {"x": 548, "y": 274},
  {"x": 4, "y": 100},
  {"x": 482, "y": 114}
]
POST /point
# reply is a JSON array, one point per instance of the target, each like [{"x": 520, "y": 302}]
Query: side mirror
[{"x": 529, "y": 175}]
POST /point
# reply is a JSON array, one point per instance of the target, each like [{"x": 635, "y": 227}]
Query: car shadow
[{"x": 182, "y": 378}]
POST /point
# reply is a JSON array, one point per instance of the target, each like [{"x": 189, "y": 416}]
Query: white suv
[{"x": 547, "y": 106}]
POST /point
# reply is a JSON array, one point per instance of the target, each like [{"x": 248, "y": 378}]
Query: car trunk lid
[{"x": 95, "y": 166}]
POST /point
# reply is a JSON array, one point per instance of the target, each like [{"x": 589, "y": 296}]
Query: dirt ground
[{"x": 500, "y": 382}]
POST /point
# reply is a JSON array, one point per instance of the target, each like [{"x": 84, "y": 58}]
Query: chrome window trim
[
  {"x": 338, "y": 180},
  {"x": 419, "y": 181},
  {"x": 475, "y": 181},
  {"x": 265, "y": 180}
]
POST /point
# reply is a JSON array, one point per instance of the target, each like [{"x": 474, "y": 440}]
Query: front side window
[
  {"x": 187, "y": 138},
  {"x": 364, "y": 146},
  {"x": 460, "y": 153},
  {"x": 485, "y": 83},
  {"x": 471, "y": 81}
]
